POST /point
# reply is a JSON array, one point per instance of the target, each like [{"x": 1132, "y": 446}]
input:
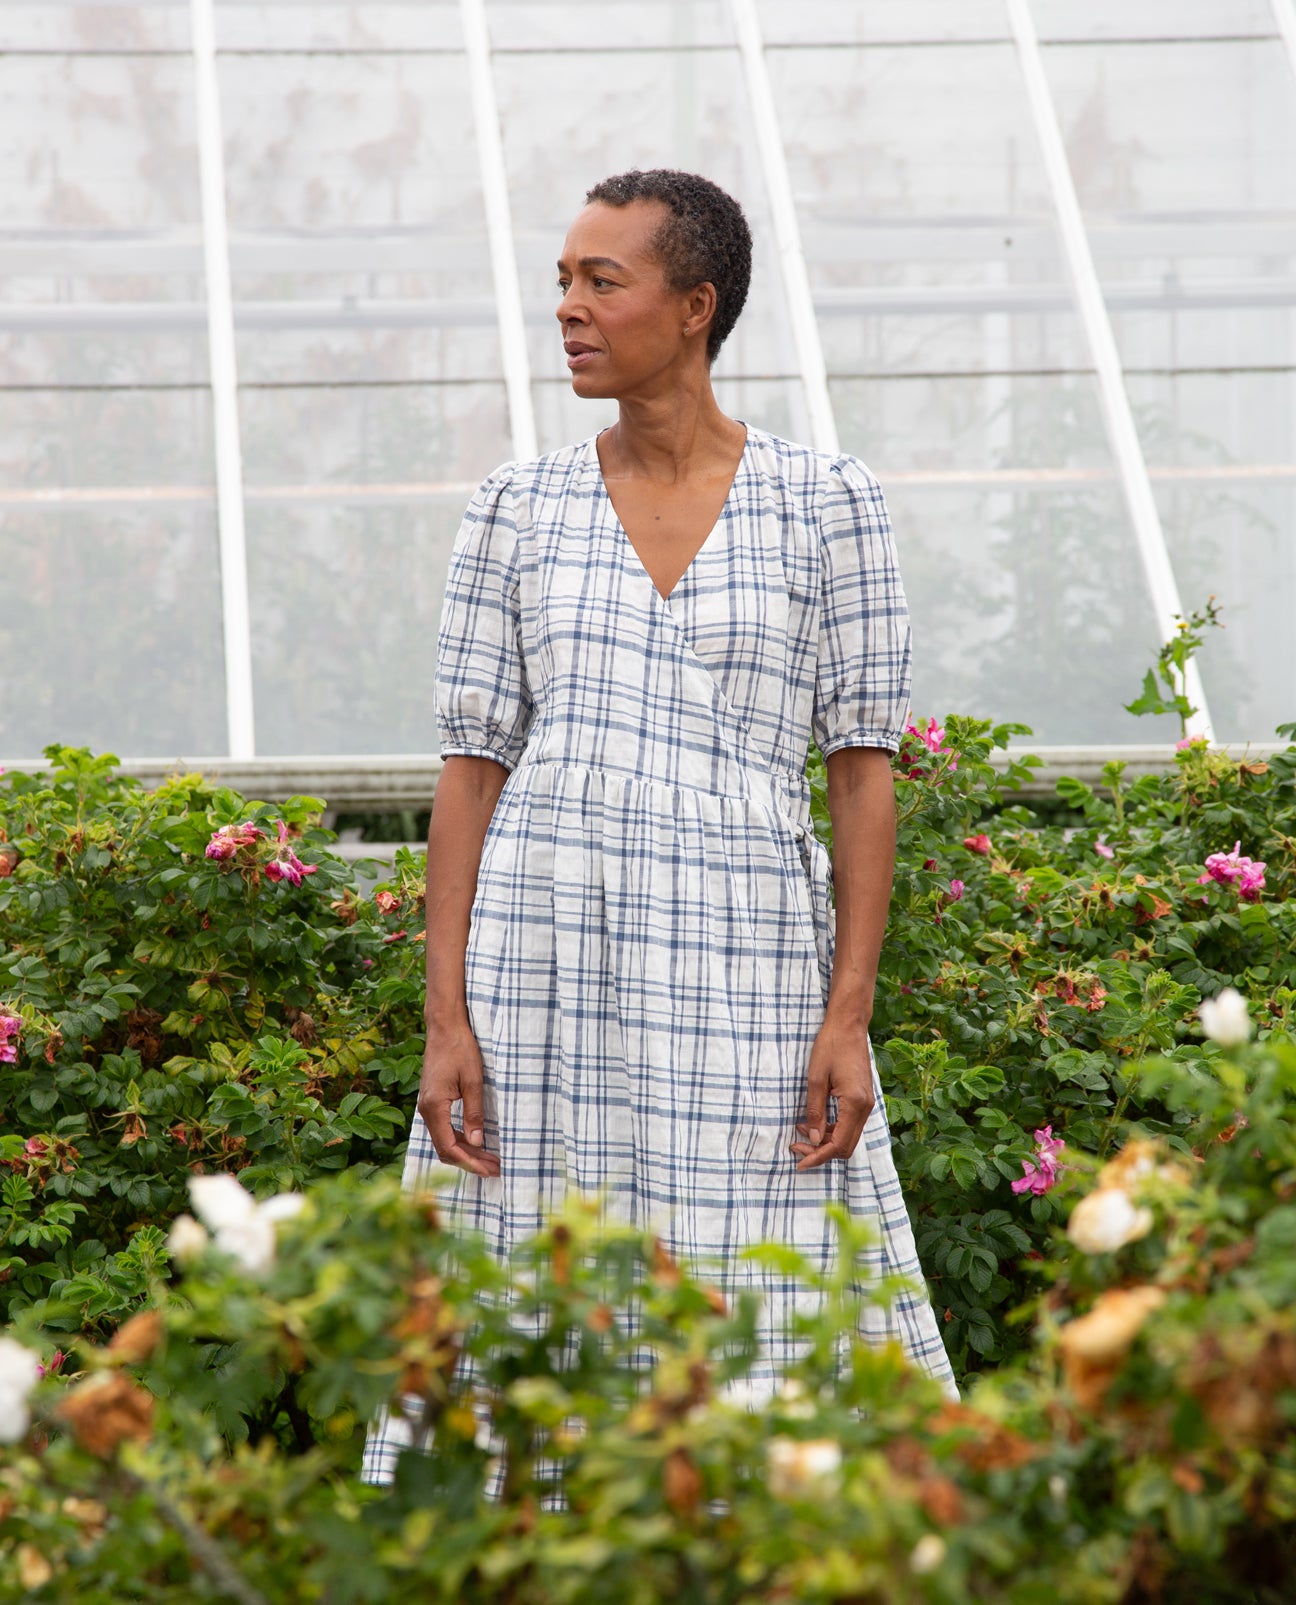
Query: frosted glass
[
  {"x": 404, "y": 25},
  {"x": 354, "y": 497},
  {"x": 117, "y": 643},
  {"x": 345, "y": 606},
  {"x": 925, "y": 214},
  {"x": 357, "y": 233}
]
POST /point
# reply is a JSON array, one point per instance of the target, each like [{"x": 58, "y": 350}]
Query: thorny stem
[{"x": 202, "y": 1546}]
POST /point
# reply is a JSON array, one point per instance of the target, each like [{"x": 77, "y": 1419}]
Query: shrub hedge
[{"x": 190, "y": 984}]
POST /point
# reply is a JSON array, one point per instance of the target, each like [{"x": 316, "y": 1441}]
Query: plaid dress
[{"x": 651, "y": 941}]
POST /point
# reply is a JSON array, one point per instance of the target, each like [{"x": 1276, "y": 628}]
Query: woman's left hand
[{"x": 840, "y": 1067}]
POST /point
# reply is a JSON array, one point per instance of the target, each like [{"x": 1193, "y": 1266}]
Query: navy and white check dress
[{"x": 651, "y": 940}]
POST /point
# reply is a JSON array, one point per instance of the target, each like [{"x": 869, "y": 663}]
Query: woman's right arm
[{"x": 465, "y": 799}]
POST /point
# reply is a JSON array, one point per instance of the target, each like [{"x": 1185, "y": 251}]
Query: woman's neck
[{"x": 669, "y": 437}]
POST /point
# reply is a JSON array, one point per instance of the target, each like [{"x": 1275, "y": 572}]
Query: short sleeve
[
  {"x": 483, "y": 701},
  {"x": 864, "y": 663}
]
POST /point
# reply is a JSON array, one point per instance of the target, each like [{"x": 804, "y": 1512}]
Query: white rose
[
  {"x": 1225, "y": 1019},
  {"x": 251, "y": 1242},
  {"x": 283, "y": 1206},
  {"x": 802, "y": 1470},
  {"x": 19, "y": 1374},
  {"x": 221, "y": 1200},
  {"x": 928, "y": 1553},
  {"x": 187, "y": 1240},
  {"x": 15, "y": 1417},
  {"x": 19, "y": 1367},
  {"x": 1106, "y": 1220}
]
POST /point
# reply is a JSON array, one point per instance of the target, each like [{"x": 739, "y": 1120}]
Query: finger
[
  {"x": 452, "y": 1148},
  {"x": 816, "y": 1153},
  {"x": 816, "y": 1107},
  {"x": 471, "y": 1083}
]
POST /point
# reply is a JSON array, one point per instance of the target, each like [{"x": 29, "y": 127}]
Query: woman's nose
[{"x": 569, "y": 308}]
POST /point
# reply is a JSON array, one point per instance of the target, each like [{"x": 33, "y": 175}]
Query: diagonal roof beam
[
  {"x": 787, "y": 231},
  {"x": 499, "y": 229},
  {"x": 223, "y": 374},
  {"x": 1119, "y": 419}
]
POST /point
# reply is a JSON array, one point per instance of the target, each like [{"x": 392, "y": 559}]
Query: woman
[{"x": 633, "y": 988}]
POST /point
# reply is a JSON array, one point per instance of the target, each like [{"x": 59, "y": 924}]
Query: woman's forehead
[{"x": 621, "y": 235}]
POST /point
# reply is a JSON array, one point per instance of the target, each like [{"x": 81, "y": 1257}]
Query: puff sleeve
[
  {"x": 483, "y": 700},
  {"x": 864, "y": 662}
]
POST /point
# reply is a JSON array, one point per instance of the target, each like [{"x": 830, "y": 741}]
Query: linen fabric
[{"x": 651, "y": 940}]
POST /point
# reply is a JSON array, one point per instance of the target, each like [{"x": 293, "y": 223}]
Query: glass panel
[
  {"x": 74, "y": 25},
  {"x": 1222, "y": 454},
  {"x": 79, "y": 439},
  {"x": 345, "y": 606},
  {"x": 402, "y": 25},
  {"x": 412, "y": 438},
  {"x": 571, "y": 25},
  {"x": 865, "y": 22},
  {"x": 117, "y": 643},
  {"x": 1152, "y": 19},
  {"x": 100, "y": 264},
  {"x": 354, "y": 498},
  {"x": 357, "y": 236},
  {"x": 643, "y": 109},
  {"x": 1015, "y": 548},
  {"x": 926, "y": 216}
]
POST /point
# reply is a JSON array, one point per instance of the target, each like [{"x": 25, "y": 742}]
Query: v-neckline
[{"x": 721, "y": 518}]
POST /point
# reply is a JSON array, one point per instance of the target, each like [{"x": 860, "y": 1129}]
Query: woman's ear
[{"x": 699, "y": 309}]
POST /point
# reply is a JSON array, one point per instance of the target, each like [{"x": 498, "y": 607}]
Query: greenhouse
[
  {"x": 793, "y": 1135},
  {"x": 278, "y": 291}
]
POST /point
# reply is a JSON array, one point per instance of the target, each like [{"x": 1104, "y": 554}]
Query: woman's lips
[{"x": 580, "y": 356}]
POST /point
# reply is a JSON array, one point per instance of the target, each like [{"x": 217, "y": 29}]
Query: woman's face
[{"x": 623, "y": 328}]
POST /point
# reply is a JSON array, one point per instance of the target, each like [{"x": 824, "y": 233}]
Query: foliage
[
  {"x": 181, "y": 1012},
  {"x": 1028, "y": 966},
  {"x": 1154, "y": 1460}
]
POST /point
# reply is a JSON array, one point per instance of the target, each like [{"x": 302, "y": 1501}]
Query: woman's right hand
[{"x": 452, "y": 1070}]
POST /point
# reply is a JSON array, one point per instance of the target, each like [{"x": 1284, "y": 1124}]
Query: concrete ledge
[{"x": 391, "y": 783}]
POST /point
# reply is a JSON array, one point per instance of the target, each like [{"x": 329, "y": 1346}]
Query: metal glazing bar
[
  {"x": 787, "y": 232},
  {"x": 224, "y": 388},
  {"x": 1285, "y": 16},
  {"x": 499, "y": 230},
  {"x": 1122, "y": 434}
]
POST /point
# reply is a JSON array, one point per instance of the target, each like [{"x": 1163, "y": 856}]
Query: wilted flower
[
  {"x": 1093, "y": 1345},
  {"x": 1189, "y": 742},
  {"x": 285, "y": 865},
  {"x": 1107, "y": 1220},
  {"x": 20, "y": 1370},
  {"x": 240, "y": 1226},
  {"x": 1142, "y": 1160},
  {"x": 800, "y": 1470},
  {"x": 977, "y": 844},
  {"x": 1041, "y": 1173},
  {"x": 1236, "y": 869},
  {"x": 105, "y": 1410},
  {"x": 1225, "y": 1019},
  {"x": 387, "y": 902},
  {"x": 927, "y": 1554},
  {"x": 228, "y": 839},
  {"x": 395, "y": 936},
  {"x": 10, "y": 1027}
]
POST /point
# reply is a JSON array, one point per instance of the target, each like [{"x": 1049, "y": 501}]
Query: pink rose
[{"x": 977, "y": 844}]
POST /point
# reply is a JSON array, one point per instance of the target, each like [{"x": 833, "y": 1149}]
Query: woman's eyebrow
[{"x": 597, "y": 261}]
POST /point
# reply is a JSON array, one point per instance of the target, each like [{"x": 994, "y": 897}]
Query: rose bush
[{"x": 1139, "y": 1450}]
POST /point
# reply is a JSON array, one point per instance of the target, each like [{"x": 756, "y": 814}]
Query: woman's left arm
[{"x": 861, "y": 805}]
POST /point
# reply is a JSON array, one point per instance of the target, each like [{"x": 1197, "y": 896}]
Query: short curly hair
[{"x": 704, "y": 240}]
